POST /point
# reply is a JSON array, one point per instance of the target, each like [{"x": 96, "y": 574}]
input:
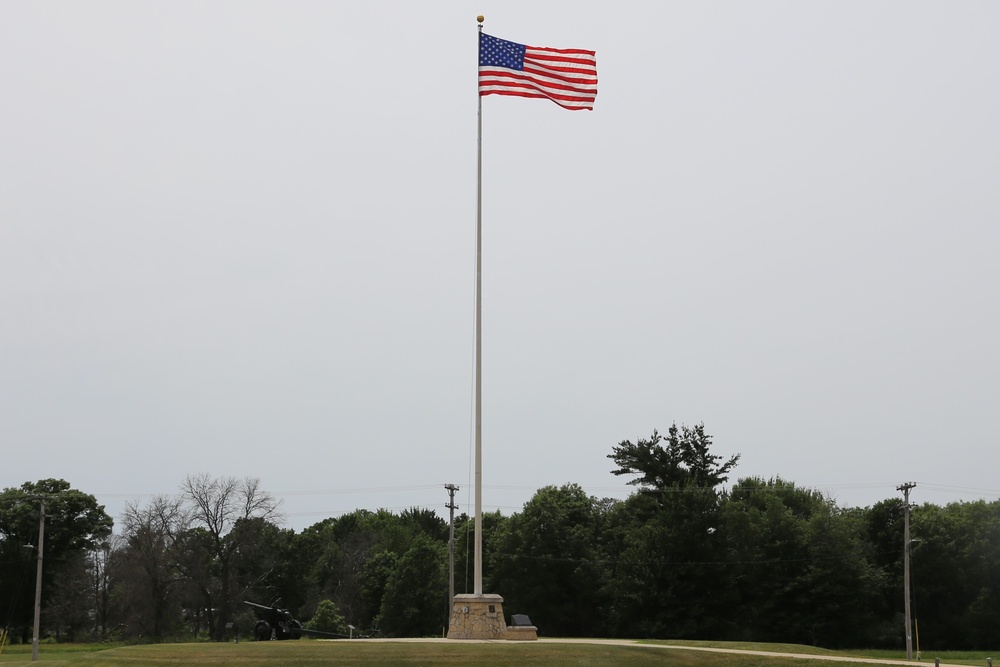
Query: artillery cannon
[{"x": 280, "y": 624}]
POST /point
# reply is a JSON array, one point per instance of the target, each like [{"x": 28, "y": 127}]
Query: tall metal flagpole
[
  {"x": 477, "y": 615},
  {"x": 478, "y": 570}
]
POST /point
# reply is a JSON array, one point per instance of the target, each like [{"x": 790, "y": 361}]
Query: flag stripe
[
  {"x": 529, "y": 91},
  {"x": 487, "y": 78},
  {"x": 568, "y": 77},
  {"x": 568, "y": 73}
]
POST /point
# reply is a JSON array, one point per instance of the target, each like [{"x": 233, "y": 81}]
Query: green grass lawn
[
  {"x": 48, "y": 653},
  {"x": 360, "y": 652},
  {"x": 305, "y": 653}
]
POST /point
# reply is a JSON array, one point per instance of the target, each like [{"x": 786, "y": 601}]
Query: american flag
[{"x": 568, "y": 77}]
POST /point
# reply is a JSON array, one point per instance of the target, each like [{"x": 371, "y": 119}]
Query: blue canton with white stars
[{"x": 495, "y": 52}]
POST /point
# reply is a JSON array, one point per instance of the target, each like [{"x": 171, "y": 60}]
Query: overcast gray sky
[{"x": 238, "y": 238}]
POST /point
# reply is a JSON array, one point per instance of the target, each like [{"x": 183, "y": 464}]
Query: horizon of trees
[{"x": 683, "y": 557}]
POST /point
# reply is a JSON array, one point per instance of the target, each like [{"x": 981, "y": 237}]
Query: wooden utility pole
[
  {"x": 38, "y": 580},
  {"x": 451, "y": 545},
  {"x": 905, "y": 488}
]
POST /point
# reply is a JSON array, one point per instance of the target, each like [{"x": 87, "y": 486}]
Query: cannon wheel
[
  {"x": 262, "y": 631},
  {"x": 294, "y": 628}
]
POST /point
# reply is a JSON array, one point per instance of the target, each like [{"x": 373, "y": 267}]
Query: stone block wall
[{"x": 477, "y": 617}]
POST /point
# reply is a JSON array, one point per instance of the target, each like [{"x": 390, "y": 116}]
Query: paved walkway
[
  {"x": 673, "y": 647},
  {"x": 776, "y": 654}
]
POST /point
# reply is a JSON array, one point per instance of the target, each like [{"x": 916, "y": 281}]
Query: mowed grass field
[{"x": 514, "y": 654}]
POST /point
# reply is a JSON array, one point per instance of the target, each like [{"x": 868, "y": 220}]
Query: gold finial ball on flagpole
[{"x": 480, "y": 18}]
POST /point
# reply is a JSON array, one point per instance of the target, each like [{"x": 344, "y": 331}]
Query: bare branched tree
[
  {"x": 151, "y": 533},
  {"x": 225, "y": 508}
]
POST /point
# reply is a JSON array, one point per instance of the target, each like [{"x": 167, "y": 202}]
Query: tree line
[{"x": 685, "y": 556}]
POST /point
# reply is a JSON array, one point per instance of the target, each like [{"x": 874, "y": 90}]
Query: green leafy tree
[
  {"x": 425, "y": 521},
  {"x": 882, "y": 524},
  {"x": 374, "y": 579},
  {"x": 680, "y": 460},
  {"x": 764, "y": 526},
  {"x": 331, "y": 557},
  {"x": 74, "y": 524},
  {"x": 668, "y": 575},
  {"x": 842, "y": 585},
  {"x": 982, "y": 558},
  {"x": 346, "y": 556},
  {"x": 955, "y": 577},
  {"x": 199, "y": 586},
  {"x": 465, "y": 531},
  {"x": 416, "y": 592},
  {"x": 328, "y": 619},
  {"x": 69, "y": 605},
  {"x": 801, "y": 569},
  {"x": 74, "y": 520},
  {"x": 548, "y": 563},
  {"x": 266, "y": 566}
]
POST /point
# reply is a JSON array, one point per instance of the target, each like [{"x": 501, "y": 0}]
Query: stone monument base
[
  {"x": 477, "y": 617},
  {"x": 522, "y": 633}
]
